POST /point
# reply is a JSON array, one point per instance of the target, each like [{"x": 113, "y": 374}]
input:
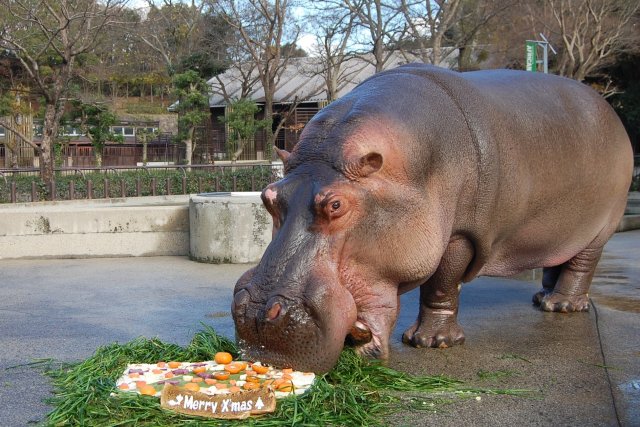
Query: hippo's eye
[
  {"x": 335, "y": 208},
  {"x": 330, "y": 205}
]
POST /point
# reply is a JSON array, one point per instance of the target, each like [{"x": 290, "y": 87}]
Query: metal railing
[{"x": 25, "y": 185}]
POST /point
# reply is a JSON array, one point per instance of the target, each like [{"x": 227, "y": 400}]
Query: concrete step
[{"x": 633, "y": 203}]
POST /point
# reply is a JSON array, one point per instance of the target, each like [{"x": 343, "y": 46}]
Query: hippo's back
[
  {"x": 554, "y": 165},
  {"x": 564, "y": 164}
]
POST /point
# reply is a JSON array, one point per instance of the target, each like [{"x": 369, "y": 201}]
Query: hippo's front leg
[{"x": 437, "y": 324}]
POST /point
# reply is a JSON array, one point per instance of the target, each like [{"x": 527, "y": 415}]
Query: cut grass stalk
[{"x": 355, "y": 392}]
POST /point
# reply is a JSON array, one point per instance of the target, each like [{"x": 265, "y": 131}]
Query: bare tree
[
  {"x": 47, "y": 37},
  {"x": 242, "y": 74},
  {"x": 428, "y": 21},
  {"x": 266, "y": 28},
  {"x": 334, "y": 28},
  {"x": 474, "y": 28},
  {"x": 16, "y": 110},
  {"x": 592, "y": 33},
  {"x": 17, "y": 120},
  {"x": 172, "y": 29},
  {"x": 382, "y": 25}
]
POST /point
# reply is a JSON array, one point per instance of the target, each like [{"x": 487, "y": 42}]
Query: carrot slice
[
  {"x": 148, "y": 390},
  {"x": 251, "y": 386},
  {"x": 286, "y": 386},
  {"x": 192, "y": 386},
  {"x": 260, "y": 369},
  {"x": 233, "y": 368},
  {"x": 221, "y": 376}
]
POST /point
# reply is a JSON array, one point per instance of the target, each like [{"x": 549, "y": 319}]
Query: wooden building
[{"x": 300, "y": 93}]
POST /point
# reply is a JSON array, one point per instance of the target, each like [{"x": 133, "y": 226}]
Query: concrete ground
[{"x": 585, "y": 367}]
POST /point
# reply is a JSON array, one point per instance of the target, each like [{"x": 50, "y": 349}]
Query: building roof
[{"x": 302, "y": 78}]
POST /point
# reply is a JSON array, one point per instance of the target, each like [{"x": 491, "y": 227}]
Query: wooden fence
[{"x": 161, "y": 151}]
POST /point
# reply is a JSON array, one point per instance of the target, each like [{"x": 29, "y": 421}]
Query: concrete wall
[
  {"x": 143, "y": 226},
  {"x": 217, "y": 228},
  {"x": 228, "y": 227}
]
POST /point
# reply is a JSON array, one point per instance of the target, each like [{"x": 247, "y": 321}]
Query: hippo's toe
[
  {"x": 539, "y": 296},
  {"x": 436, "y": 330},
  {"x": 556, "y": 302}
]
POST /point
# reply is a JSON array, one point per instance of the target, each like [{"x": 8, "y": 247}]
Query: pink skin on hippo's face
[
  {"x": 297, "y": 307},
  {"x": 332, "y": 270}
]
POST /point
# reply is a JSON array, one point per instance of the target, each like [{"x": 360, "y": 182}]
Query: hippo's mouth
[
  {"x": 359, "y": 334},
  {"x": 364, "y": 340},
  {"x": 286, "y": 332}
]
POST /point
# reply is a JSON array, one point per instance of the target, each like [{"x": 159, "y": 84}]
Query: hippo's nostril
[{"x": 275, "y": 309}]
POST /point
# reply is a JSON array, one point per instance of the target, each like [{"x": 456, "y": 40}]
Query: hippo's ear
[
  {"x": 368, "y": 164},
  {"x": 283, "y": 154}
]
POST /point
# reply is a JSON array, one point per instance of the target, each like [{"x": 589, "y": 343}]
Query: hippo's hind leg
[
  {"x": 437, "y": 324},
  {"x": 565, "y": 287}
]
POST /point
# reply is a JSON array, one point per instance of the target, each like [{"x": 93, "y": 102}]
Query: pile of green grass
[{"x": 355, "y": 392}]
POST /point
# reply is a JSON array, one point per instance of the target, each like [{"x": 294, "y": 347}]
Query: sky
[{"x": 306, "y": 40}]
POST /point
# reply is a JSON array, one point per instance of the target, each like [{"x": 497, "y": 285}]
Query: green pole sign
[{"x": 531, "y": 60}]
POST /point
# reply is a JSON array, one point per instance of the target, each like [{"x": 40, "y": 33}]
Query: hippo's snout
[
  {"x": 305, "y": 331},
  {"x": 280, "y": 331},
  {"x": 240, "y": 301},
  {"x": 274, "y": 312}
]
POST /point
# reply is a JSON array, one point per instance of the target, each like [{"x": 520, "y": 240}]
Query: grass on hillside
[{"x": 355, "y": 392}]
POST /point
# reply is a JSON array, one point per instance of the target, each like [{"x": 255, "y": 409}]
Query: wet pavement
[{"x": 583, "y": 369}]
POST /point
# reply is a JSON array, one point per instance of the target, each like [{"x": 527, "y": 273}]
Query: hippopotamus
[{"x": 426, "y": 177}]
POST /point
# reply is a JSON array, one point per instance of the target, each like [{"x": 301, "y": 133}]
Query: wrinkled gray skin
[{"x": 426, "y": 177}]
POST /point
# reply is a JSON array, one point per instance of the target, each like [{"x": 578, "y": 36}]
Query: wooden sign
[{"x": 231, "y": 406}]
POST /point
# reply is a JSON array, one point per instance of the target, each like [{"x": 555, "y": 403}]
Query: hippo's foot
[
  {"x": 435, "y": 328},
  {"x": 556, "y": 302}
]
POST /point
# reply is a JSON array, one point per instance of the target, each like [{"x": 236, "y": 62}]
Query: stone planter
[{"x": 228, "y": 227}]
